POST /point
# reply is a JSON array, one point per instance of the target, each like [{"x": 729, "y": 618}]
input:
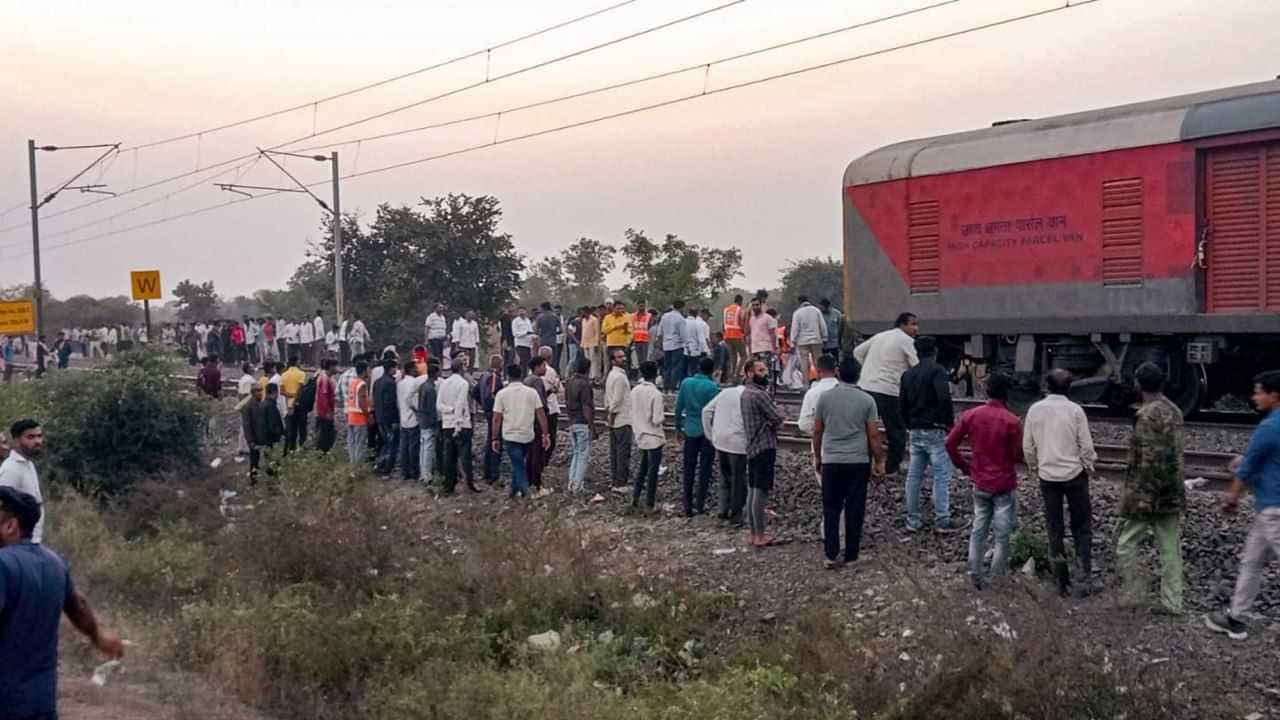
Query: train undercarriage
[{"x": 1205, "y": 371}]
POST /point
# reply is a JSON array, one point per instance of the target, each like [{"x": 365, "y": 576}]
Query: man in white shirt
[
  {"x": 453, "y": 403},
  {"x": 617, "y": 407},
  {"x": 885, "y": 356},
  {"x": 307, "y": 343},
  {"x": 244, "y": 388},
  {"x": 516, "y": 409},
  {"x": 648, "y": 411},
  {"x": 722, "y": 423},
  {"x": 522, "y": 331},
  {"x": 319, "y": 339},
  {"x": 697, "y": 342},
  {"x": 251, "y": 331},
  {"x": 1059, "y": 452},
  {"x": 18, "y": 471},
  {"x": 437, "y": 330},
  {"x": 808, "y": 334},
  {"x": 671, "y": 328},
  {"x": 826, "y": 381},
  {"x": 407, "y": 404},
  {"x": 358, "y": 336},
  {"x": 552, "y": 385},
  {"x": 466, "y": 336},
  {"x": 113, "y": 339}
]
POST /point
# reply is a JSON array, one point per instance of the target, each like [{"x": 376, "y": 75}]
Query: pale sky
[{"x": 759, "y": 168}]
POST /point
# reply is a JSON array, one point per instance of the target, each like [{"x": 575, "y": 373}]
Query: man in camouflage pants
[{"x": 1154, "y": 494}]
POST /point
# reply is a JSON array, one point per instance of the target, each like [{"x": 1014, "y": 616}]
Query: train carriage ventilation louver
[
  {"x": 1122, "y": 232},
  {"x": 1243, "y": 215},
  {"x": 924, "y": 231}
]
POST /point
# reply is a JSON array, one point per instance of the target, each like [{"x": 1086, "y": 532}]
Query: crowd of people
[{"x": 867, "y": 411}]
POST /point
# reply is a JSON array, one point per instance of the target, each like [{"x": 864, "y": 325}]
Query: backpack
[{"x": 306, "y": 401}]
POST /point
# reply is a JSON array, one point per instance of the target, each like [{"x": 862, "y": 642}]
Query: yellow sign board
[
  {"x": 145, "y": 284},
  {"x": 17, "y": 317}
]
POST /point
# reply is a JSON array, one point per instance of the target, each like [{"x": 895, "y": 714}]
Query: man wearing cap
[
  {"x": 35, "y": 590},
  {"x": 19, "y": 469}
]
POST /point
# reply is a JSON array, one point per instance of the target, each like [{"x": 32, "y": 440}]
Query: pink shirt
[{"x": 763, "y": 334}]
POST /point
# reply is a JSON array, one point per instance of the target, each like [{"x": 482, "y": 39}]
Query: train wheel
[
  {"x": 1188, "y": 388},
  {"x": 1024, "y": 393}
]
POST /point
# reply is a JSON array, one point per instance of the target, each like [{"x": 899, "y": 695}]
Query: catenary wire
[
  {"x": 1071, "y": 4},
  {"x": 386, "y": 113}
]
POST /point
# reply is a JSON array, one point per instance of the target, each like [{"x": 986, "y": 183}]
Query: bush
[
  {"x": 1026, "y": 546},
  {"x": 106, "y": 430},
  {"x": 157, "y": 573}
]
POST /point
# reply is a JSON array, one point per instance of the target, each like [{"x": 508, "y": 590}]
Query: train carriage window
[
  {"x": 1122, "y": 231},
  {"x": 925, "y": 234}
]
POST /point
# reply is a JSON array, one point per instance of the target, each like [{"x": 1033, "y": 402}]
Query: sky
[{"x": 758, "y": 168}]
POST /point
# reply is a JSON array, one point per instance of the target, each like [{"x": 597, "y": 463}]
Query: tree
[
  {"x": 196, "y": 302},
  {"x": 586, "y": 263},
  {"x": 408, "y": 259},
  {"x": 814, "y": 277},
  {"x": 544, "y": 281},
  {"x": 675, "y": 269}
]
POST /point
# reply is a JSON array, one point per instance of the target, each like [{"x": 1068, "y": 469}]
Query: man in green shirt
[
  {"x": 1154, "y": 494},
  {"x": 695, "y": 393}
]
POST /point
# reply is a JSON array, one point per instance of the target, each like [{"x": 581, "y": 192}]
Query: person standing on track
[
  {"x": 762, "y": 336},
  {"x": 697, "y": 342},
  {"x": 548, "y": 326},
  {"x": 1258, "y": 470},
  {"x": 733, "y": 321},
  {"x": 1155, "y": 494},
  {"x": 695, "y": 393},
  {"x": 846, "y": 437},
  {"x": 357, "y": 408},
  {"x": 1058, "y": 447},
  {"x": 590, "y": 342},
  {"x": 617, "y": 330},
  {"x": 672, "y": 329},
  {"x": 520, "y": 421},
  {"x": 808, "y": 334},
  {"x": 319, "y": 343},
  {"x": 886, "y": 357},
  {"x": 995, "y": 436},
  {"x": 835, "y": 328},
  {"x": 295, "y": 424},
  {"x": 760, "y": 422},
  {"x": 522, "y": 329},
  {"x": 326, "y": 405},
  {"x": 579, "y": 399},
  {"x": 453, "y": 403},
  {"x": 466, "y": 337},
  {"x": 640, "y": 333},
  {"x": 617, "y": 405},
  {"x": 539, "y": 453},
  {"x": 386, "y": 412},
  {"x": 925, "y": 403},
  {"x": 648, "y": 411},
  {"x": 722, "y": 423},
  {"x": 485, "y": 392},
  {"x": 436, "y": 332}
]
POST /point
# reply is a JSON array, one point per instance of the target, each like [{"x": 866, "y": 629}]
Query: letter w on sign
[{"x": 145, "y": 284}]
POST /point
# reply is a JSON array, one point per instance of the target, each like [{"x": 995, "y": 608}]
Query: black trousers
[
  {"x": 1076, "y": 494},
  {"x": 492, "y": 460},
  {"x": 457, "y": 451},
  {"x": 295, "y": 431},
  {"x": 410, "y": 442},
  {"x": 760, "y": 470},
  {"x": 844, "y": 490},
  {"x": 437, "y": 349},
  {"x": 733, "y": 487},
  {"x": 895, "y": 427},
  {"x": 698, "y": 456},
  {"x": 326, "y": 434},
  {"x": 620, "y": 455},
  {"x": 553, "y": 427},
  {"x": 647, "y": 478}
]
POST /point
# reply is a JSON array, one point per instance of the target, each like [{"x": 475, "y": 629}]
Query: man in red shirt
[
  {"x": 326, "y": 403},
  {"x": 995, "y": 439}
]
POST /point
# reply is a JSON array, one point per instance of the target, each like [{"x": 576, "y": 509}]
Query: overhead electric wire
[
  {"x": 386, "y": 81},
  {"x": 464, "y": 88},
  {"x": 1070, "y": 4},
  {"x": 638, "y": 81}
]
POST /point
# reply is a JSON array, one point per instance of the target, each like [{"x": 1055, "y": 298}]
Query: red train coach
[{"x": 1091, "y": 242}]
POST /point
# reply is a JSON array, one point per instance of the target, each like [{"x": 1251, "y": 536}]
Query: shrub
[
  {"x": 108, "y": 429},
  {"x": 157, "y": 572},
  {"x": 1027, "y": 546}
]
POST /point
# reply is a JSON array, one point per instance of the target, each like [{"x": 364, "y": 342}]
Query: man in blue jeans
[
  {"x": 995, "y": 437},
  {"x": 580, "y": 403},
  {"x": 518, "y": 412},
  {"x": 672, "y": 328},
  {"x": 924, "y": 400}
]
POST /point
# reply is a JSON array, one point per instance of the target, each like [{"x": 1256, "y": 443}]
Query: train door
[{"x": 1242, "y": 229}]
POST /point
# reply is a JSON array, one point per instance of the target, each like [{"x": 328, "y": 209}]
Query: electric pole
[
  {"x": 36, "y": 204},
  {"x": 337, "y": 239}
]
